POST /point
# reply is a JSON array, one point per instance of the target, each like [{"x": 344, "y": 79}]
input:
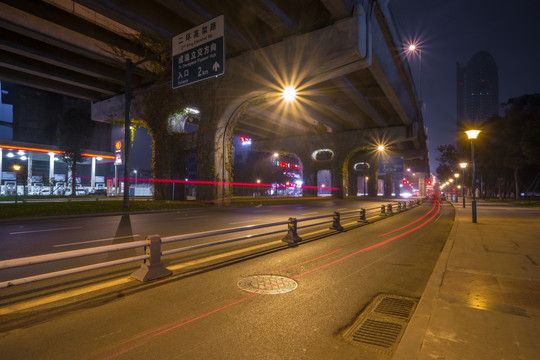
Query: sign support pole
[{"x": 127, "y": 133}]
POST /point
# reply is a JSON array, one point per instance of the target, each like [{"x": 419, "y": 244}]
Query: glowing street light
[
  {"x": 380, "y": 147},
  {"x": 472, "y": 134},
  {"x": 289, "y": 94}
]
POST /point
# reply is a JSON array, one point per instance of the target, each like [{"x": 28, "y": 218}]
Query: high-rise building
[{"x": 477, "y": 90}]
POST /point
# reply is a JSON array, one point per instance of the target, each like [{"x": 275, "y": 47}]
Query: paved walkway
[{"x": 483, "y": 298}]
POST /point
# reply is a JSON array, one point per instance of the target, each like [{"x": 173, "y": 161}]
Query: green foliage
[
  {"x": 507, "y": 151},
  {"x": 448, "y": 161}
]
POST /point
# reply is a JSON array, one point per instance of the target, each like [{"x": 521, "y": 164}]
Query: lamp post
[
  {"x": 456, "y": 175},
  {"x": 135, "y": 171},
  {"x": 365, "y": 183},
  {"x": 463, "y": 165},
  {"x": 472, "y": 134},
  {"x": 16, "y": 168}
]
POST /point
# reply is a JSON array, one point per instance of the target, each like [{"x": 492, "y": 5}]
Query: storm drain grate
[
  {"x": 379, "y": 333},
  {"x": 382, "y": 324},
  {"x": 395, "y": 307}
]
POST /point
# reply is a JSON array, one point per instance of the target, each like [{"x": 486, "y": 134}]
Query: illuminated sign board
[
  {"x": 199, "y": 53},
  {"x": 118, "y": 152},
  {"x": 245, "y": 140},
  {"x": 286, "y": 165}
]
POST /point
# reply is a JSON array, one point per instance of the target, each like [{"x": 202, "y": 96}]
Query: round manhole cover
[{"x": 267, "y": 284}]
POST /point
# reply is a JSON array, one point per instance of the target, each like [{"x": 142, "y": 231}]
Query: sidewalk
[{"x": 483, "y": 298}]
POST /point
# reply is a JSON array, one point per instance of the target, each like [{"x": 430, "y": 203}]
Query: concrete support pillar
[
  {"x": 93, "y": 174},
  {"x": 29, "y": 157},
  {"x": 309, "y": 174},
  {"x": 51, "y": 168},
  {"x": 373, "y": 182},
  {"x": 388, "y": 185},
  {"x": 353, "y": 182}
]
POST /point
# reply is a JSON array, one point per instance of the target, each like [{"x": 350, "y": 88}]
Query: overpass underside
[{"x": 354, "y": 87}]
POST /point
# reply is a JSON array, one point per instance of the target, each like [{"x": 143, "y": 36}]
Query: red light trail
[{"x": 142, "y": 338}]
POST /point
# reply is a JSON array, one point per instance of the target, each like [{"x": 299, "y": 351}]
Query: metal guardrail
[{"x": 153, "y": 269}]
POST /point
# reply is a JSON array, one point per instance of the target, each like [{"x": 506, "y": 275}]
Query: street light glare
[
  {"x": 289, "y": 93},
  {"x": 472, "y": 134},
  {"x": 380, "y": 147},
  {"x": 412, "y": 47},
  {"x": 463, "y": 165}
]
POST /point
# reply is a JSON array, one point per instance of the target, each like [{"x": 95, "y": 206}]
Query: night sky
[{"x": 453, "y": 31}]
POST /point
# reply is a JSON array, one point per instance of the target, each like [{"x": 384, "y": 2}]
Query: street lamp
[
  {"x": 463, "y": 165},
  {"x": 365, "y": 183},
  {"x": 135, "y": 171},
  {"x": 16, "y": 168},
  {"x": 456, "y": 175},
  {"x": 289, "y": 94},
  {"x": 472, "y": 134}
]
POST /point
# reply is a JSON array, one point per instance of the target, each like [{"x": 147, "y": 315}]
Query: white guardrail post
[{"x": 152, "y": 268}]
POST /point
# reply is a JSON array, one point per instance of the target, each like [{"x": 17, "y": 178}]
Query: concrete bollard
[
  {"x": 383, "y": 210},
  {"x": 362, "y": 215},
  {"x": 292, "y": 232},
  {"x": 152, "y": 268},
  {"x": 389, "y": 210},
  {"x": 336, "y": 222}
]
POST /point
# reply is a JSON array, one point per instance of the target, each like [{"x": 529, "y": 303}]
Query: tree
[
  {"x": 74, "y": 133},
  {"x": 521, "y": 134},
  {"x": 448, "y": 161}
]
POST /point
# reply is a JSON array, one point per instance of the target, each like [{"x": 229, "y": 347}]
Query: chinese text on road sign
[{"x": 199, "y": 53}]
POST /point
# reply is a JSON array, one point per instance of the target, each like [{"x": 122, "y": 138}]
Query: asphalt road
[
  {"x": 200, "y": 312},
  {"x": 27, "y": 238}
]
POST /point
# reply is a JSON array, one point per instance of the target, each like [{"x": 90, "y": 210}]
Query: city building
[
  {"x": 477, "y": 90},
  {"x": 28, "y": 138}
]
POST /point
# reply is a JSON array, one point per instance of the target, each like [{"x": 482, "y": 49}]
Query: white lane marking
[
  {"x": 98, "y": 240},
  {"x": 192, "y": 217},
  {"x": 343, "y": 209},
  {"x": 243, "y": 222},
  {"x": 311, "y": 213},
  {"x": 44, "y": 230}
]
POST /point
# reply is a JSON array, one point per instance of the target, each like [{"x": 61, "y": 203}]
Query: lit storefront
[{"x": 43, "y": 172}]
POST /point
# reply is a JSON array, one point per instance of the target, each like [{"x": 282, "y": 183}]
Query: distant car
[
  {"x": 99, "y": 191},
  {"x": 79, "y": 190}
]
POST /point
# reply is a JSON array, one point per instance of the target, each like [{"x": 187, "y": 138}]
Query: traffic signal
[{"x": 428, "y": 182}]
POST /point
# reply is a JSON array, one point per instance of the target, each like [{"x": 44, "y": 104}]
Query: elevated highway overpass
[{"x": 355, "y": 88}]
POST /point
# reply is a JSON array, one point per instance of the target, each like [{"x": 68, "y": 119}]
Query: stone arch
[
  {"x": 224, "y": 131},
  {"x": 366, "y": 154}
]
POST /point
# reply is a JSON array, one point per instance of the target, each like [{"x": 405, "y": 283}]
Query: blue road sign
[{"x": 199, "y": 53}]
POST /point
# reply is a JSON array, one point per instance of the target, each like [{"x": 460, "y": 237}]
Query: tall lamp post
[
  {"x": 456, "y": 175},
  {"x": 463, "y": 165},
  {"x": 472, "y": 134},
  {"x": 16, "y": 168}
]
